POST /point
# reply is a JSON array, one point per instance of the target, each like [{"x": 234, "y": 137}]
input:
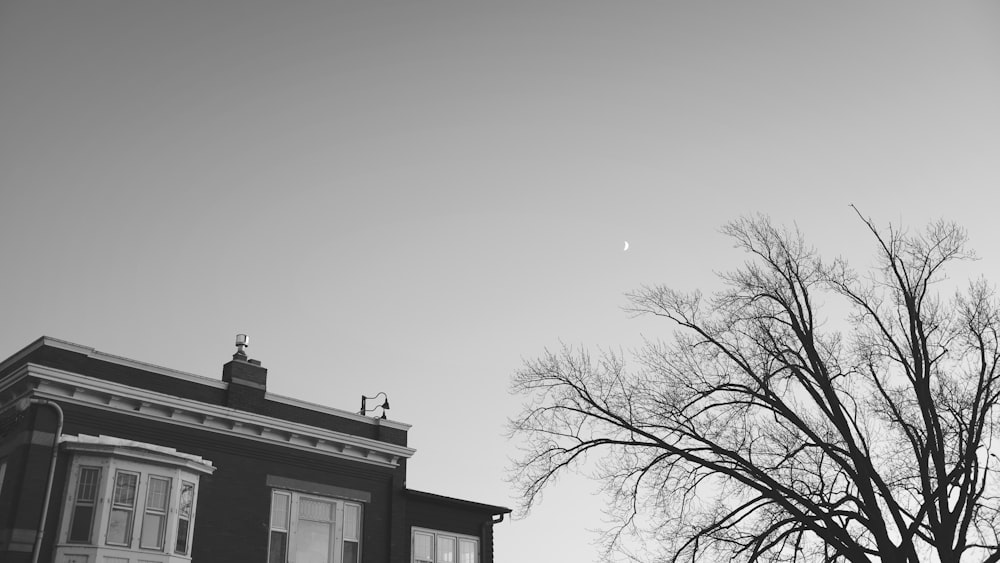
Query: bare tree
[{"x": 761, "y": 433}]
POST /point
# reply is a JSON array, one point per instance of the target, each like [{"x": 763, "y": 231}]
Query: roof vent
[{"x": 242, "y": 342}]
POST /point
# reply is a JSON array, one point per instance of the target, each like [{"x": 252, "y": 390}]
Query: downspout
[
  {"x": 37, "y": 550},
  {"x": 482, "y": 545}
]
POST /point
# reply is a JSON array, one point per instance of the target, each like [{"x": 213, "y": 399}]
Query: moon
[{"x": 626, "y": 246}]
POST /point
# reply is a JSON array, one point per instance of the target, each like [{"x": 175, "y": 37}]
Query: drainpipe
[
  {"x": 23, "y": 405},
  {"x": 482, "y": 545}
]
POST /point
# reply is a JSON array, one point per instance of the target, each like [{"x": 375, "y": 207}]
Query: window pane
[
  {"x": 156, "y": 495},
  {"x": 445, "y": 549},
  {"x": 279, "y": 547},
  {"x": 422, "y": 546},
  {"x": 120, "y": 527},
  {"x": 125, "y": 485},
  {"x": 181, "y": 546},
  {"x": 186, "y": 500},
  {"x": 152, "y": 531},
  {"x": 79, "y": 529},
  {"x": 154, "y": 518},
  {"x": 467, "y": 552},
  {"x": 312, "y": 509},
  {"x": 352, "y": 521},
  {"x": 185, "y": 506},
  {"x": 86, "y": 490},
  {"x": 82, "y": 517},
  {"x": 279, "y": 511},
  {"x": 312, "y": 542},
  {"x": 350, "y": 552}
]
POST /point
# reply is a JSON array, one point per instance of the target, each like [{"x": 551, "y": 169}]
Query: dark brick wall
[
  {"x": 26, "y": 445},
  {"x": 82, "y": 364},
  {"x": 248, "y": 397},
  {"x": 231, "y": 522}
]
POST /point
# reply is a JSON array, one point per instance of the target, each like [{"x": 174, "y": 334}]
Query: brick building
[{"x": 144, "y": 464}]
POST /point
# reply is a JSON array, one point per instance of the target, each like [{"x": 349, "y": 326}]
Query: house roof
[
  {"x": 75, "y": 374},
  {"x": 468, "y": 504}
]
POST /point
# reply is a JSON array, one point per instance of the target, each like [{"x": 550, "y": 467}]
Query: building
[{"x": 144, "y": 464}]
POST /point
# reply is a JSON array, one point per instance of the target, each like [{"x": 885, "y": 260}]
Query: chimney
[{"x": 247, "y": 379}]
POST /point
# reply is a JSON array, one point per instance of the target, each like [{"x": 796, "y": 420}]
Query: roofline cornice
[
  {"x": 105, "y": 357},
  {"x": 18, "y": 357},
  {"x": 73, "y": 388}
]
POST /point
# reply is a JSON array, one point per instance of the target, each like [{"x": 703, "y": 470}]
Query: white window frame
[
  {"x": 188, "y": 518},
  {"x": 149, "y": 463},
  {"x": 76, "y": 502},
  {"x": 129, "y": 509},
  {"x": 437, "y": 536},
  {"x": 292, "y": 518},
  {"x": 151, "y": 511}
]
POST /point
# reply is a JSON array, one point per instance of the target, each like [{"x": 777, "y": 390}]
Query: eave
[{"x": 73, "y": 388}]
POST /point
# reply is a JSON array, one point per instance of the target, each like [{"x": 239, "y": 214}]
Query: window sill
[{"x": 78, "y": 553}]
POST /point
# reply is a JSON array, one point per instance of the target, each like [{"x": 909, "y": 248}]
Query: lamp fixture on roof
[{"x": 364, "y": 404}]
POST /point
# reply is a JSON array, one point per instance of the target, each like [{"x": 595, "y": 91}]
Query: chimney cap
[{"x": 242, "y": 341}]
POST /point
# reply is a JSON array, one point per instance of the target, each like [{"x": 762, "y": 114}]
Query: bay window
[{"x": 125, "y": 496}]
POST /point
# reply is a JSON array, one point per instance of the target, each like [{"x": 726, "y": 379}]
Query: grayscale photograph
[{"x": 425, "y": 281}]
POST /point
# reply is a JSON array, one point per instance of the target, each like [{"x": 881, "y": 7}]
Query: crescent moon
[{"x": 626, "y": 246}]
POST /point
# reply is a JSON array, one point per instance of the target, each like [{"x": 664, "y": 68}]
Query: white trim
[
  {"x": 292, "y": 527},
  {"x": 96, "y": 393},
  {"x": 211, "y": 382},
  {"x": 111, "y": 446},
  {"x": 434, "y": 541},
  {"x": 110, "y": 465},
  {"x": 98, "y": 355},
  {"x": 337, "y": 412}
]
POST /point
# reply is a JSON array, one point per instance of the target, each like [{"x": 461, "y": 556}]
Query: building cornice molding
[
  {"x": 337, "y": 412},
  {"x": 73, "y": 388},
  {"x": 104, "y": 446},
  {"x": 110, "y": 358},
  {"x": 19, "y": 356}
]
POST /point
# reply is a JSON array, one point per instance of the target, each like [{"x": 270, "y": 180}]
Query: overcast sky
[{"x": 414, "y": 196}]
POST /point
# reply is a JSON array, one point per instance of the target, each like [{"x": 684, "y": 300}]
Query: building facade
[{"x": 105, "y": 459}]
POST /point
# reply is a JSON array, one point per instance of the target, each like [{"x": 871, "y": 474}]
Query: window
[
  {"x": 352, "y": 529},
  {"x": 278, "y": 549},
  {"x": 82, "y": 518},
  {"x": 154, "y": 519},
  {"x": 122, "y": 508},
  {"x": 184, "y": 507},
  {"x": 432, "y": 546},
  {"x": 124, "y": 496},
  {"x": 308, "y": 528}
]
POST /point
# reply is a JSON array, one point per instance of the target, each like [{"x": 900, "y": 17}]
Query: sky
[{"x": 416, "y": 196}]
